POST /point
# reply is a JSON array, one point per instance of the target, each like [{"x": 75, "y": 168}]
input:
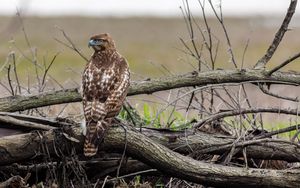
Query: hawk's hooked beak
[{"x": 93, "y": 42}]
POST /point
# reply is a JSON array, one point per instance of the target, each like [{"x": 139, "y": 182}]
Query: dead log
[
  {"x": 183, "y": 142},
  {"x": 139, "y": 146}
]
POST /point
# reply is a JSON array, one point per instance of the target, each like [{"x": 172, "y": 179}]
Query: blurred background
[{"x": 147, "y": 33}]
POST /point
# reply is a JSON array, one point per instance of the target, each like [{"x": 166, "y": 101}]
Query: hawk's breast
[{"x": 98, "y": 82}]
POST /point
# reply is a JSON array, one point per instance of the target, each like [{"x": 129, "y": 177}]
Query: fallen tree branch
[
  {"x": 183, "y": 142},
  {"x": 35, "y": 119},
  {"x": 12, "y": 122},
  {"x": 158, "y": 156},
  {"x": 187, "y": 142},
  {"x": 19, "y": 103}
]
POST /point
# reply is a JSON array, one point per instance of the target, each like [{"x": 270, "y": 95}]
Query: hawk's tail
[{"x": 94, "y": 136}]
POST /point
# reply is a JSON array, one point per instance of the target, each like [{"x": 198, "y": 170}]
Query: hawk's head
[{"x": 101, "y": 42}]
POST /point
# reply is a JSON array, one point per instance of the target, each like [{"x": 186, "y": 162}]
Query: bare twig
[
  {"x": 284, "y": 130},
  {"x": 73, "y": 46},
  {"x": 245, "y": 111},
  {"x": 36, "y": 66},
  {"x": 10, "y": 81},
  {"x": 220, "y": 19},
  {"x": 264, "y": 90},
  {"x": 192, "y": 35},
  {"x": 49, "y": 66},
  {"x": 289, "y": 60},
  {"x": 5, "y": 87},
  {"x": 209, "y": 44},
  {"x": 278, "y": 36},
  {"x": 133, "y": 174},
  {"x": 244, "y": 53},
  {"x": 13, "y": 56},
  {"x": 25, "y": 34},
  {"x": 189, "y": 20}
]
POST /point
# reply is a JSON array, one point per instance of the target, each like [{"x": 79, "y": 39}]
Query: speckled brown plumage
[{"x": 105, "y": 85}]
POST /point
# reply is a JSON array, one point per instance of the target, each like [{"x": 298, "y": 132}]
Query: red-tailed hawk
[{"x": 105, "y": 85}]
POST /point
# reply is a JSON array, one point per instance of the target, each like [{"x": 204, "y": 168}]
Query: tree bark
[
  {"x": 139, "y": 146},
  {"x": 19, "y": 103},
  {"x": 182, "y": 142}
]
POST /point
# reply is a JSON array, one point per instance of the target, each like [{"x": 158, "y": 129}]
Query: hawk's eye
[{"x": 99, "y": 40}]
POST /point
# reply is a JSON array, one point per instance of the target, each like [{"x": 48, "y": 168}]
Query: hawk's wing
[
  {"x": 94, "y": 110},
  {"x": 115, "y": 100}
]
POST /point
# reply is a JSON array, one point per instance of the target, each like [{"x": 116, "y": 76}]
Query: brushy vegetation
[{"x": 154, "y": 49}]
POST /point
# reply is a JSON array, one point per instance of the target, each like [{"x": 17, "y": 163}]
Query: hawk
[{"x": 105, "y": 84}]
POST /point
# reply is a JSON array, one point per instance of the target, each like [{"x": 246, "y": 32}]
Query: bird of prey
[{"x": 105, "y": 85}]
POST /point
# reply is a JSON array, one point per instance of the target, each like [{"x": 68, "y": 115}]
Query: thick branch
[
  {"x": 278, "y": 36},
  {"x": 186, "y": 168},
  {"x": 18, "y": 103},
  {"x": 162, "y": 158},
  {"x": 184, "y": 141}
]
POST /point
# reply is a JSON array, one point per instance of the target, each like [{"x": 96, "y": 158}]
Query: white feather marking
[{"x": 83, "y": 126}]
